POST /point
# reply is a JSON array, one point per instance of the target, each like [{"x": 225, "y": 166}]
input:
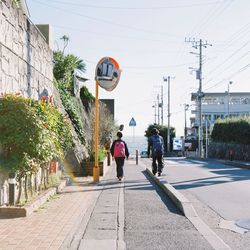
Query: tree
[
  {"x": 64, "y": 66},
  {"x": 65, "y": 41},
  {"x": 163, "y": 132}
]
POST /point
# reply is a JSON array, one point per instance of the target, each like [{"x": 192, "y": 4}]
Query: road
[
  {"x": 224, "y": 188},
  {"x": 219, "y": 193}
]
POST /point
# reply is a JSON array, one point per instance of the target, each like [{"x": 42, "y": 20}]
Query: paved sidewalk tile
[{"x": 48, "y": 227}]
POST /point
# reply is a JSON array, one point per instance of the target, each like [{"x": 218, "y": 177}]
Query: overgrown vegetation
[
  {"x": 64, "y": 66},
  {"x": 232, "y": 130},
  {"x": 32, "y": 134},
  {"x": 87, "y": 98},
  {"x": 16, "y": 3},
  {"x": 107, "y": 130}
]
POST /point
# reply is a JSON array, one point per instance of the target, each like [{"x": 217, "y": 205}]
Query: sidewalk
[
  {"x": 54, "y": 224},
  {"x": 90, "y": 216}
]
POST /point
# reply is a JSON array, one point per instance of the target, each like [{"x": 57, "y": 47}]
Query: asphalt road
[
  {"x": 224, "y": 188},
  {"x": 151, "y": 219},
  {"x": 219, "y": 193}
]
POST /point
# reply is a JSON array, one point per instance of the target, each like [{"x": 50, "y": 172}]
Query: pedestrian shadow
[{"x": 109, "y": 184}]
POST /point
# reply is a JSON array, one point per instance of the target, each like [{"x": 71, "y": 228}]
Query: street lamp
[{"x": 228, "y": 98}]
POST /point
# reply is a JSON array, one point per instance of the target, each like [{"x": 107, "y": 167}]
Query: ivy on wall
[{"x": 64, "y": 66}]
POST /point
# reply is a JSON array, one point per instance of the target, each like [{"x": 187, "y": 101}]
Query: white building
[{"x": 220, "y": 105}]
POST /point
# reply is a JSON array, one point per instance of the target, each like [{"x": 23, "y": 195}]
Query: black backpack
[{"x": 157, "y": 145}]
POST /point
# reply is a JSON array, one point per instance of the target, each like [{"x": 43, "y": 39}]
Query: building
[{"x": 220, "y": 105}]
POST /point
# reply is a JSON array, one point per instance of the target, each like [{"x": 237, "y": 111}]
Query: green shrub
[
  {"x": 32, "y": 133},
  {"x": 232, "y": 130}
]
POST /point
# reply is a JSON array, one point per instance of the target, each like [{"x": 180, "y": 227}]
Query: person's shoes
[
  {"x": 119, "y": 178},
  {"x": 159, "y": 174},
  {"x": 154, "y": 173}
]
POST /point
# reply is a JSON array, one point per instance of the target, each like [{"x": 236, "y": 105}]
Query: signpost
[
  {"x": 132, "y": 123},
  {"x": 107, "y": 76}
]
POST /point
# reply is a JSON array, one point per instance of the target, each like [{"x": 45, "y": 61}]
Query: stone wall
[
  {"x": 26, "y": 59},
  {"x": 26, "y": 67}
]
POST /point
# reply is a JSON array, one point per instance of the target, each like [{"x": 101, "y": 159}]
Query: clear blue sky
[{"x": 147, "y": 38}]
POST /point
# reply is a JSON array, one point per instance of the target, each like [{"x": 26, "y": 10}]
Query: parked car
[{"x": 144, "y": 154}]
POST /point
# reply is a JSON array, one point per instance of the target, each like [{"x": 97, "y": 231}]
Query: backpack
[
  {"x": 156, "y": 145},
  {"x": 119, "y": 149}
]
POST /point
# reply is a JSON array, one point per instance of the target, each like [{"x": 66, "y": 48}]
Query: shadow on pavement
[
  {"x": 165, "y": 199},
  {"x": 222, "y": 174}
]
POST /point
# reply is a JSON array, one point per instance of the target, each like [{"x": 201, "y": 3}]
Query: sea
[{"x": 134, "y": 143}]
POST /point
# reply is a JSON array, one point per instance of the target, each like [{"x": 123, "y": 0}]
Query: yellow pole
[{"x": 96, "y": 167}]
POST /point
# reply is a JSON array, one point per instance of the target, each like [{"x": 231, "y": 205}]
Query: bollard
[
  {"x": 136, "y": 156},
  {"x": 12, "y": 184}
]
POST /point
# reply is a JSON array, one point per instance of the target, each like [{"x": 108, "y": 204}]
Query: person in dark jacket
[
  {"x": 156, "y": 146},
  {"x": 119, "y": 151}
]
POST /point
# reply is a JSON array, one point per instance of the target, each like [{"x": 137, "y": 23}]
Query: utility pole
[
  {"x": 168, "y": 131},
  {"x": 158, "y": 106},
  {"x": 154, "y": 106},
  {"x": 199, "y": 44},
  {"x": 161, "y": 105}
]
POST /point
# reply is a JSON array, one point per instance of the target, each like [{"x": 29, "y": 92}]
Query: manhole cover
[{"x": 244, "y": 223}]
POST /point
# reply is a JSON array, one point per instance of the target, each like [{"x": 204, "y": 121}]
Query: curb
[
  {"x": 189, "y": 212},
  {"x": 184, "y": 205}
]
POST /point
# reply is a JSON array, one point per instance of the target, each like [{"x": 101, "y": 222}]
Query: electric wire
[
  {"x": 103, "y": 20},
  {"x": 137, "y": 8},
  {"x": 229, "y": 77}
]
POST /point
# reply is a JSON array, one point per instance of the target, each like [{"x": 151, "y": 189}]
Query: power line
[
  {"x": 232, "y": 64},
  {"x": 213, "y": 18},
  {"x": 213, "y": 13},
  {"x": 103, "y": 20},
  {"x": 136, "y": 8},
  {"x": 231, "y": 76},
  {"x": 109, "y": 35}
]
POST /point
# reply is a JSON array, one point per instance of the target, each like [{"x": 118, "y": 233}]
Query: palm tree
[{"x": 65, "y": 42}]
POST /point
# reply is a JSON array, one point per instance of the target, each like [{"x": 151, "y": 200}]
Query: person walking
[
  {"x": 156, "y": 146},
  {"x": 119, "y": 151}
]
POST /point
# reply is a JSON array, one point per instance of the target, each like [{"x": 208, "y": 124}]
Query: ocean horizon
[{"x": 136, "y": 143}]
